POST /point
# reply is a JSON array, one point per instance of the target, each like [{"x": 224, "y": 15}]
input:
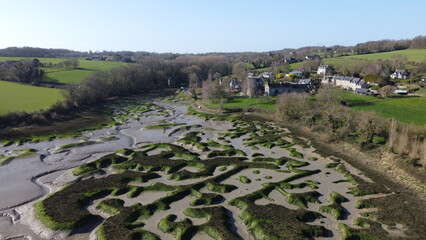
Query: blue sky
[{"x": 197, "y": 26}]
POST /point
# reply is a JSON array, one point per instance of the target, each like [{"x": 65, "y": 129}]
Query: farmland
[
  {"x": 76, "y": 76},
  {"x": 70, "y": 76},
  {"x": 403, "y": 109},
  {"x": 406, "y": 109},
  {"x": 244, "y": 103},
  {"x": 415, "y": 55},
  {"x": 19, "y": 97}
]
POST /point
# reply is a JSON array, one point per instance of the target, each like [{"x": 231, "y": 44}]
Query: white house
[
  {"x": 400, "y": 74},
  {"x": 324, "y": 69},
  {"x": 268, "y": 75},
  {"x": 401, "y": 92},
  {"x": 348, "y": 83}
]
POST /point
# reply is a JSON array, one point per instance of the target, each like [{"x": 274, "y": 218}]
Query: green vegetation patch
[
  {"x": 404, "y": 109},
  {"x": 179, "y": 229},
  {"x": 19, "y": 97},
  {"x": 350, "y": 233},
  {"x": 20, "y": 153},
  {"x": 79, "y": 144},
  {"x": 75, "y": 76},
  {"x": 217, "y": 225},
  {"x": 300, "y": 199},
  {"x": 97, "y": 165},
  {"x": 335, "y": 208},
  {"x": 164, "y": 126},
  {"x": 362, "y": 187},
  {"x": 277, "y": 222},
  {"x": 205, "y": 198},
  {"x": 111, "y": 205},
  {"x": 244, "y": 179}
]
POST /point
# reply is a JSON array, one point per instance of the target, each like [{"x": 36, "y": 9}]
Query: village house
[
  {"x": 324, "y": 69},
  {"x": 401, "y": 92},
  {"x": 364, "y": 91},
  {"x": 348, "y": 83},
  {"x": 97, "y": 58},
  {"x": 234, "y": 85},
  {"x": 309, "y": 57},
  {"x": 308, "y": 82},
  {"x": 268, "y": 75},
  {"x": 290, "y": 60},
  {"x": 274, "y": 89},
  {"x": 297, "y": 73},
  {"x": 400, "y": 74}
]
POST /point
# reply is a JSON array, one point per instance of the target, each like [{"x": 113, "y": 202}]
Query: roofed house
[
  {"x": 290, "y": 60},
  {"x": 234, "y": 85},
  {"x": 273, "y": 89},
  {"x": 400, "y": 74},
  {"x": 324, "y": 69},
  {"x": 308, "y": 82},
  {"x": 297, "y": 73},
  {"x": 97, "y": 58},
  {"x": 363, "y": 91},
  {"x": 401, "y": 92},
  {"x": 268, "y": 75},
  {"x": 308, "y": 57},
  {"x": 348, "y": 83}
]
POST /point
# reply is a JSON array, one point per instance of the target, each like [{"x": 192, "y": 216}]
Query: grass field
[
  {"x": 76, "y": 76},
  {"x": 415, "y": 55},
  {"x": 403, "y": 109},
  {"x": 19, "y": 97},
  {"x": 70, "y": 76},
  {"x": 265, "y": 103}
]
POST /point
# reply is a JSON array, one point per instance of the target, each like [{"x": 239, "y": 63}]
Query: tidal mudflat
[{"x": 167, "y": 171}]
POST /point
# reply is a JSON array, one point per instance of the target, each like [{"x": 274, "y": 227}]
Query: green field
[
  {"x": 19, "y": 97},
  {"x": 70, "y": 76},
  {"x": 403, "y": 109},
  {"x": 76, "y": 76},
  {"x": 244, "y": 103},
  {"x": 412, "y": 55},
  {"x": 415, "y": 55}
]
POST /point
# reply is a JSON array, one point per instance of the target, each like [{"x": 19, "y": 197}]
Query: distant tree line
[
  {"x": 253, "y": 59},
  {"x": 390, "y": 45},
  {"x": 32, "y": 52}
]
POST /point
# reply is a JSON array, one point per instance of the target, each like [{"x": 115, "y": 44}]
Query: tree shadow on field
[{"x": 360, "y": 103}]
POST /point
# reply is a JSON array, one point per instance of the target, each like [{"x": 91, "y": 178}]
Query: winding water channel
[{"x": 28, "y": 179}]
